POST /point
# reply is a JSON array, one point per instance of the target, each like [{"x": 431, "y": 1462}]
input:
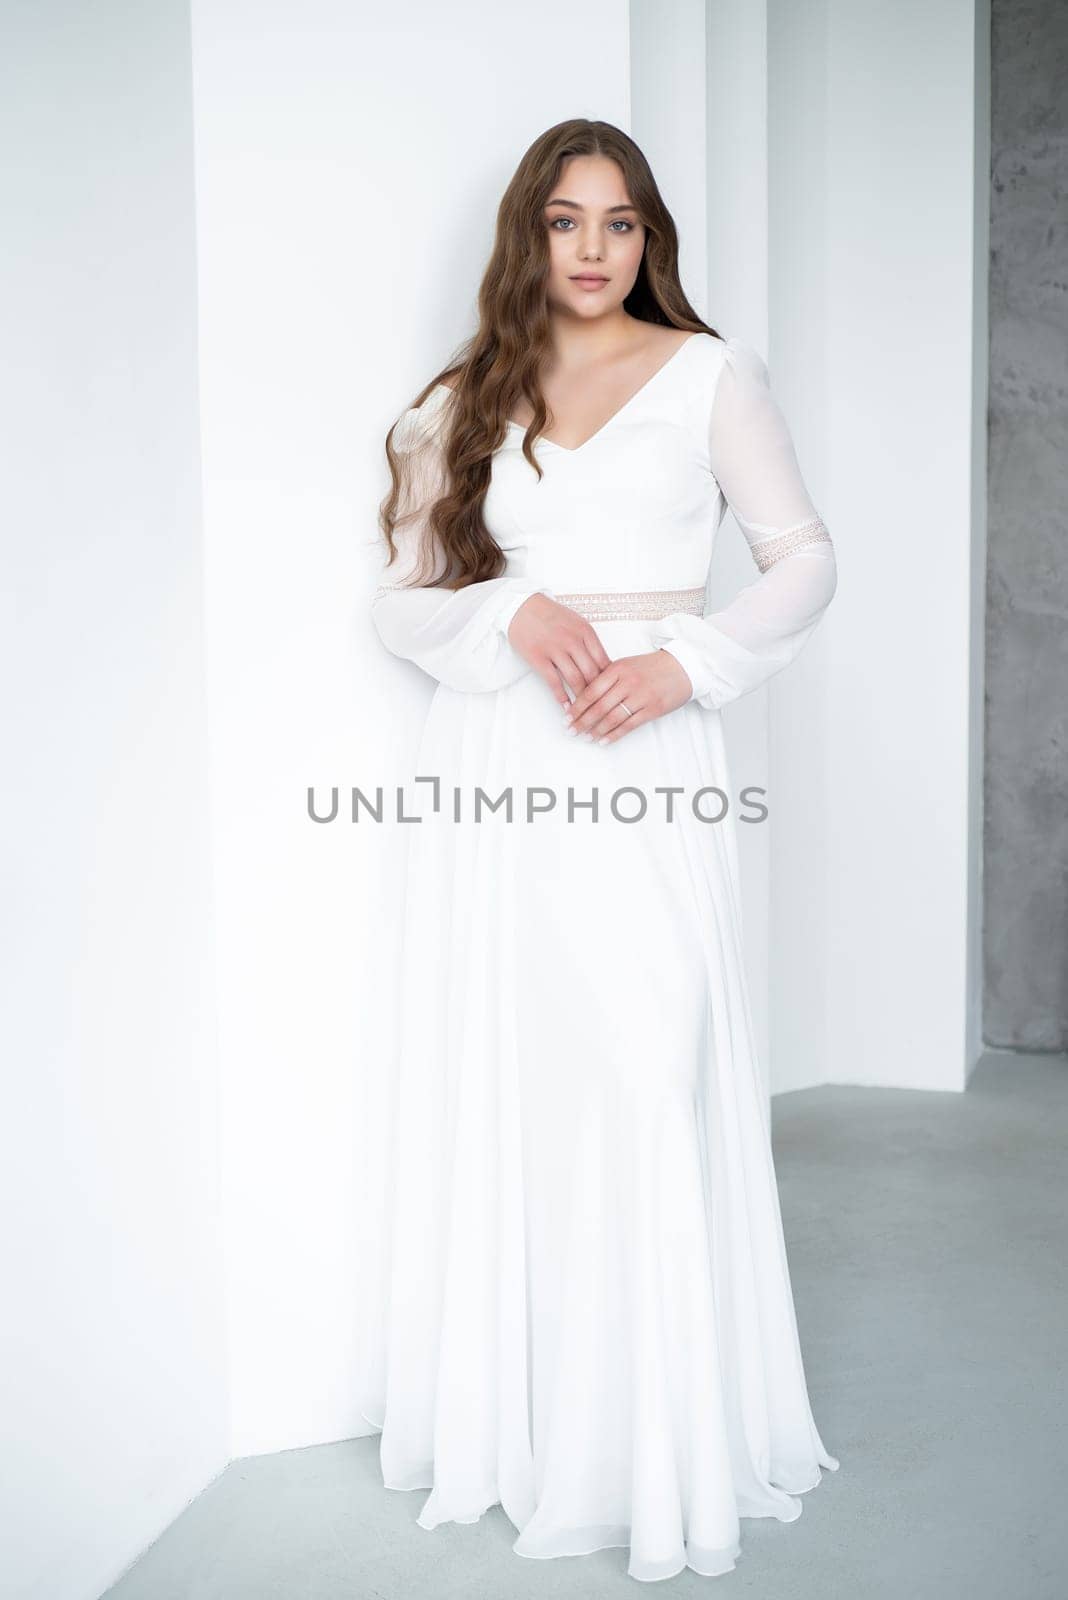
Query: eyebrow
[{"x": 557, "y": 201}]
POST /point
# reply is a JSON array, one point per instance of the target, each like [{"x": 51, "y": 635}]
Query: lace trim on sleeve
[{"x": 766, "y": 552}]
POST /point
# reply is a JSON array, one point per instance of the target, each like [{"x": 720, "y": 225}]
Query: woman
[{"x": 582, "y": 1307}]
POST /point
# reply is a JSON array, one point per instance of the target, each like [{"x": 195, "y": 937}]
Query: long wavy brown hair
[{"x": 500, "y": 364}]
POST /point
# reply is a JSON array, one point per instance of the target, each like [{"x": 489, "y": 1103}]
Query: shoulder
[
  {"x": 732, "y": 387},
  {"x": 733, "y": 355},
  {"x": 728, "y": 389}
]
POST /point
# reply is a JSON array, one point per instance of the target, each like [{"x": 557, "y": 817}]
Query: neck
[{"x": 585, "y": 341}]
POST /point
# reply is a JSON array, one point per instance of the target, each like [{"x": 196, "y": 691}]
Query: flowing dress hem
[{"x": 705, "y": 1562}]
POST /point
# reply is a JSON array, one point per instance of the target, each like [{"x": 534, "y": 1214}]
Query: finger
[
  {"x": 600, "y": 716},
  {"x": 592, "y": 668},
  {"x": 587, "y": 708},
  {"x": 589, "y": 696},
  {"x": 623, "y": 725},
  {"x": 559, "y": 688},
  {"x": 575, "y": 670},
  {"x": 596, "y": 649},
  {"x": 613, "y": 713}
]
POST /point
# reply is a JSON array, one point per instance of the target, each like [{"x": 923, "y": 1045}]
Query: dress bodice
[
  {"x": 635, "y": 507},
  {"x": 632, "y": 510}
]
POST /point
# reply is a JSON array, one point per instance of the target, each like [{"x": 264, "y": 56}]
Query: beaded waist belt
[{"x": 618, "y": 605}]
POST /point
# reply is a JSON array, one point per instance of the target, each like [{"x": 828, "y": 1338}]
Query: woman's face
[{"x": 595, "y": 238}]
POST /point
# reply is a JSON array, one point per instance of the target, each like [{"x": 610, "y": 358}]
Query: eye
[{"x": 620, "y": 222}]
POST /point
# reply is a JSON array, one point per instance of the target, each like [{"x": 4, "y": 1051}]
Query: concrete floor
[{"x": 928, "y": 1250}]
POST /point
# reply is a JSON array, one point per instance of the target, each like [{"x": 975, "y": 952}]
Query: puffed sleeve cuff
[
  {"x": 460, "y": 637},
  {"x": 718, "y": 667},
  {"x": 513, "y": 596}
]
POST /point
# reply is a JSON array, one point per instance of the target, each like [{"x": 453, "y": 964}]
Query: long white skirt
[{"x": 579, "y": 1304}]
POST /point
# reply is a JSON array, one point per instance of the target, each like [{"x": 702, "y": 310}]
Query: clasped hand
[{"x": 565, "y": 650}]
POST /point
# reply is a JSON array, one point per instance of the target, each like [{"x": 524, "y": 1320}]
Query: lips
[{"x": 589, "y": 277}]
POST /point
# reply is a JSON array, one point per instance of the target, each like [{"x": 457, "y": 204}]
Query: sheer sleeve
[
  {"x": 458, "y": 636},
  {"x": 734, "y": 651}
]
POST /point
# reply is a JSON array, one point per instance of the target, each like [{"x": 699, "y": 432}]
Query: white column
[{"x": 877, "y": 285}]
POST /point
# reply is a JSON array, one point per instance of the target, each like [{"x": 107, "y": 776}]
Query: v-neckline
[{"x": 574, "y": 450}]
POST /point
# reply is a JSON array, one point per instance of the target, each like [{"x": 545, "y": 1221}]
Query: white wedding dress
[{"x": 579, "y": 1304}]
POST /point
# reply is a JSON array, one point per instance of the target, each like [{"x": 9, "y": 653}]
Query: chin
[{"x": 590, "y": 305}]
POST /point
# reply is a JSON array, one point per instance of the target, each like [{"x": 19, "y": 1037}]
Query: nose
[{"x": 590, "y": 243}]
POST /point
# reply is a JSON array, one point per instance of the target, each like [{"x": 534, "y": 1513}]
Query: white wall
[
  {"x": 889, "y": 90},
  {"x": 113, "y": 1358},
  {"x": 846, "y": 167},
  {"x": 803, "y": 834},
  {"x": 349, "y": 165}
]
